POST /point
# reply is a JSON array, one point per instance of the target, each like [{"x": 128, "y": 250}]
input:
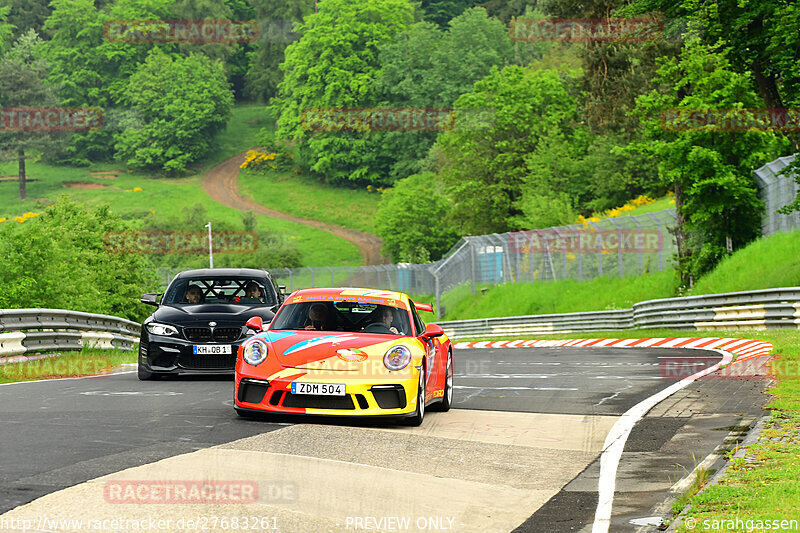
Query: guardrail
[
  {"x": 762, "y": 309},
  {"x": 40, "y": 330}
]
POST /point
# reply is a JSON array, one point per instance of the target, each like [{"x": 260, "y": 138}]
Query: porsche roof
[{"x": 331, "y": 293}]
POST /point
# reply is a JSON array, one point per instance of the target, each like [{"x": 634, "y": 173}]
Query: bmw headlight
[
  {"x": 254, "y": 351},
  {"x": 397, "y": 358},
  {"x": 161, "y": 329}
]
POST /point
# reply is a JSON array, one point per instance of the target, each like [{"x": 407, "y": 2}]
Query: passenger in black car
[{"x": 252, "y": 294}]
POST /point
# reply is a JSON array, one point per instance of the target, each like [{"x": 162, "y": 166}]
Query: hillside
[
  {"x": 134, "y": 195},
  {"x": 765, "y": 263}
]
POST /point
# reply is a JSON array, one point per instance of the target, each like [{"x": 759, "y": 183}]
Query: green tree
[
  {"x": 441, "y": 12},
  {"x": 762, "y": 40},
  {"x": 428, "y": 68},
  {"x": 709, "y": 170},
  {"x": 22, "y": 84},
  {"x": 485, "y": 167},
  {"x": 59, "y": 260},
  {"x": 183, "y": 103},
  {"x": 6, "y": 29},
  {"x": 412, "y": 220},
  {"x": 276, "y": 20},
  {"x": 91, "y": 70},
  {"x": 334, "y": 64},
  {"x": 26, "y": 15}
]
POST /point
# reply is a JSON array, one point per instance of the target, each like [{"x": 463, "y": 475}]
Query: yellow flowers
[
  {"x": 24, "y": 217},
  {"x": 257, "y": 160},
  {"x": 639, "y": 201},
  {"x": 137, "y": 189},
  {"x": 370, "y": 188},
  {"x": 3, "y": 219}
]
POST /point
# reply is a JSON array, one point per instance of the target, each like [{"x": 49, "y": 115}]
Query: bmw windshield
[{"x": 245, "y": 291}]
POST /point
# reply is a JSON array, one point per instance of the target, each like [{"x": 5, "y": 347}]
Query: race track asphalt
[{"x": 519, "y": 450}]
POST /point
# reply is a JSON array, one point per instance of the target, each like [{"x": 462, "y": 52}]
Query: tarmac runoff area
[{"x": 466, "y": 470}]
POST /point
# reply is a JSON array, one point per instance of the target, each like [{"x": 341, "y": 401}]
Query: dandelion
[
  {"x": 137, "y": 189},
  {"x": 128, "y": 190},
  {"x": 3, "y": 219},
  {"x": 153, "y": 211}
]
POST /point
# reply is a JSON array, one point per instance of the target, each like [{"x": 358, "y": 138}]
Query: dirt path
[{"x": 221, "y": 185}]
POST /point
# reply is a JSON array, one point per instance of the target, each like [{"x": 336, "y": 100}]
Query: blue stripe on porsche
[
  {"x": 272, "y": 336},
  {"x": 310, "y": 342}
]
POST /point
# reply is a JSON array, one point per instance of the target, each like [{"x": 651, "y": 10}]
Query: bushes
[{"x": 58, "y": 260}]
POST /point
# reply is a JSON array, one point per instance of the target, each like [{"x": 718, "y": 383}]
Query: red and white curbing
[{"x": 744, "y": 349}]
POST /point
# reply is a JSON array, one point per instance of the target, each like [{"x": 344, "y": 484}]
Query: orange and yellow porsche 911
[{"x": 345, "y": 352}]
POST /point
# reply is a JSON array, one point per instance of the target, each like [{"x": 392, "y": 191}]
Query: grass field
[
  {"x": 87, "y": 362},
  {"x": 564, "y": 296},
  {"x": 765, "y": 263},
  {"x": 306, "y": 197},
  {"x": 166, "y": 195}
]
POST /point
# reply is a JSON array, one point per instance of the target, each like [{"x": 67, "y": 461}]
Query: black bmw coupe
[{"x": 200, "y": 321}]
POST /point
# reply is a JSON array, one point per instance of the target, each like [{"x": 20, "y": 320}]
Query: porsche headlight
[
  {"x": 154, "y": 328},
  {"x": 254, "y": 351},
  {"x": 397, "y": 358}
]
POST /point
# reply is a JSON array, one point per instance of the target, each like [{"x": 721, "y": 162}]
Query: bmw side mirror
[
  {"x": 151, "y": 298},
  {"x": 256, "y": 324}
]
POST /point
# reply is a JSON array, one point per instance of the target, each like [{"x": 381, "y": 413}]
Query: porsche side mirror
[
  {"x": 151, "y": 298},
  {"x": 432, "y": 330},
  {"x": 256, "y": 324}
]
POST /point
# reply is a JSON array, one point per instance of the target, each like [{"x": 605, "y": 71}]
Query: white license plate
[
  {"x": 322, "y": 389},
  {"x": 211, "y": 349}
]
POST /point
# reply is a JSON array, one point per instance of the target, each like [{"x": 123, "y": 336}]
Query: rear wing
[{"x": 424, "y": 307}]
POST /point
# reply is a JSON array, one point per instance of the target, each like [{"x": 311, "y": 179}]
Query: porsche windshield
[
  {"x": 343, "y": 316},
  {"x": 230, "y": 290}
]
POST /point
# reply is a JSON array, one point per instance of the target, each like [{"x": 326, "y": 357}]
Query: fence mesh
[
  {"x": 777, "y": 190},
  {"x": 617, "y": 246}
]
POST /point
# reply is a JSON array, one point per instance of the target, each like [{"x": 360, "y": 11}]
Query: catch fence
[{"x": 618, "y": 246}]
